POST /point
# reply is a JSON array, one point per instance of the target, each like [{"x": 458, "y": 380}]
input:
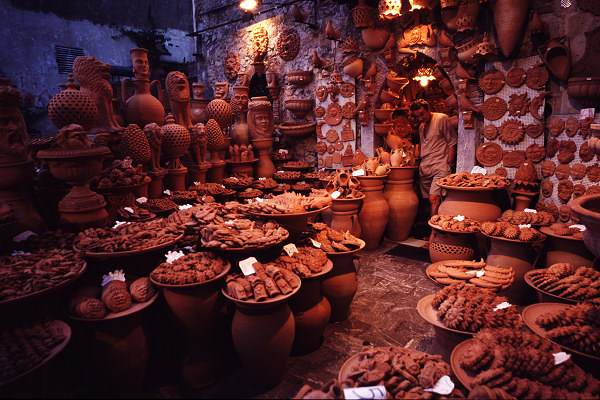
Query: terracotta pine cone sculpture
[
  {"x": 214, "y": 136},
  {"x": 135, "y": 144}
]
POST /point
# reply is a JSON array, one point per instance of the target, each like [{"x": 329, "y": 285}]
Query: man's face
[
  {"x": 198, "y": 91},
  {"x": 422, "y": 115}
]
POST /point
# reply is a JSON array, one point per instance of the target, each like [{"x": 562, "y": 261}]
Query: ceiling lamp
[
  {"x": 424, "y": 75},
  {"x": 248, "y": 5},
  {"x": 390, "y": 9}
]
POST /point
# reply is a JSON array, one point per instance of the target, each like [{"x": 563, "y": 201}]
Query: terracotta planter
[
  {"x": 297, "y": 129},
  {"x": 198, "y": 110},
  {"x": 475, "y": 203},
  {"x": 402, "y": 202},
  {"x": 584, "y": 89},
  {"x": 265, "y": 167},
  {"x": 383, "y": 114},
  {"x": 509, "y": 18},
  {"x": 587, "y": 209},
  {"x": 567, "y": 249},
  {"x": 375, "y": 38},
  {"x": 142, "y": 108},
  {"x": 242, "y": 167},
  {"x": 340, "y": 284},
  {"x": 523, "y": 199},
  {"x": 299, "y": 78},
  {"x": 452, "y": 246},
  {"x": 363, "y": 15},
  {"x": 373, "y": 216},
  {"x": 300, "y": 107},
  {"x": 522, "y": 257},
  {"x": 382, "y": 129},
  {"x": 353, "y": 66},
  {"x": 345, "y": 215}
]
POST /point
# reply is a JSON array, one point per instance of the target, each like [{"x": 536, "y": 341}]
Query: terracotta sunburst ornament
[
  {"x": 534, "y": 130},
  {"x": 334, "y": 114},
  {"x": 518, "y": 105},
  {"x": 493, "y": 108},
  {"x": 490, "y": 132},
  {"x": 491, "y": 81},
  {"x": 516, "y": 77},
  {"x": 489, "y": 154},
  {"x": 537, "y": 76},
  {"x": 512, "y": 131}
]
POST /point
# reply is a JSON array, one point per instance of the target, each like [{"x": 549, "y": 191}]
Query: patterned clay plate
[
  {"x": 537, "y": 76},
  {"x": 490, "y": 132},
  {"x": 493, "y": 108},
  {"x": 319, "y": 112},
  {"x": 332, "y": 136},
  {"x": 489, "y": 154},
  {"x": 429, "y": 314},
  {"x": 334, "y": 114},
  {"x": 491, "y": 81},
  {"x": 516, "y": 77}
]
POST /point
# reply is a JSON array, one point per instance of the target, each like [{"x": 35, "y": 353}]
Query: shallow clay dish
[
  {"x": 489, "y": 154},
  {"x": 135, "y": 307},
  {"x": 491, "y": 81},
  {"x": 493, "y": 108},
  {"x": 516, "y": 77},
  {"x": 429, "y": 314},
  {"x": 117, "y": 254}
]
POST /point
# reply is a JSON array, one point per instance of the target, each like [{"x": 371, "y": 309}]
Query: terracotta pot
[
  {"x": 299, "y": 78},
  {"x": 265, "y": 167},
  {"x": 118, "y": 197},
  {"x": 466, "y": 52},
  {"x": 523, "y": 199},
  {"x": 475, "y": 203},
  {"x": 345, "y": 215},
  {"x": 452, "y": 246},
  {"x": 567, "y": 249},
  {"x": 587, "y": 209},
  {"x": 522, "y": 257},
  {"x": 353, "y": 66},
  {"x": 242, "y": 167},
  {"x": 142, "y": 108},
  {"x": 373, "y": 216},
  {"x": 509, "y": 18},
  {"x": 300, "y": 107},
  {"x": 263, "y": 337},
  {"x": 155, "y": 187},
  {"x": 197, "y": 173},
  {"x": 382, "y": 129},
  {"x": 340, "y": 284},
  {"x": 198, "y": 110},
  {"x": 297, "y": 129},
  {"x": 240, "y": 134},
  {"x": 375, "y": 38},
  {"x": 402, "y": 201}
]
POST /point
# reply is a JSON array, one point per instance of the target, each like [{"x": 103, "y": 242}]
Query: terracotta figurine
[
  {"x": 198, "y": 144},
  {"x": 154, "y": 134},
  {"x": 178, "y": 91},
  {"x": 141, "y": 67},
  {"x": 260, "y": 119},
  {"x": 198, "y": 89},
  {"x": 72, "y": 136},
  {"x": 222, "y": 90}
]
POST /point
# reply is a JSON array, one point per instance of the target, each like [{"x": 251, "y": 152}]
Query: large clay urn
[
  {"x": 452, "y": 246},
  {"x": 402, "y": 202},
  {"x": 587, "y": 209},
  {"x": 340, "y": 284},
  {"x": 565, "y": 249},
  {"x": 142, "y": 108},
  {"x": 522, "y": 257},
  {"x": 345, "y": 215},
  {"x": 509, "y": 18},
  {"x": 373, "y": 216},
  {"x": 475, "y": 203}
]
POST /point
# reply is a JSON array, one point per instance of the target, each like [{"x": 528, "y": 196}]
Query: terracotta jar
[
  {"x": 345, "y": 215},
  {"x": 587, "y": 209},
  {"x": 373, "y": 216},
  {"x": 155, "y": 187},
  {"x": 402, "y": 201},
  {"x": 340, "y": 284},
  {"x": 522, "y": 257},
  {"x": 452, "y": 246},
  {"x": 475, "y": 203},
  {"x": 509, "y": 18},
  {"x": 567, "y": 249},
  {"x": 142, "y": 108}
]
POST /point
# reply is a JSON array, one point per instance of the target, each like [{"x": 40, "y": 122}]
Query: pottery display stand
[
  {"x": 175, "y": 178},
  {"x": 402, "y": 202},
  {"x": 242, "y": 167},
  {"x": 452, "y": 245},
  {"x": 565, "y": 249},
  {"x": 340, "y": 284},
  {"x": 523, "y": 199},
  {"x": 374, "y": 213},
  {"x": 522, "y": 257},
  {"x": 345, "y": 215},
  {"x": 312, "y": 312},
  {"x": 155, "y": 187},
  {"x": 265, "y": 167},
  {"x": 475, "y": 203},
  {"x": 587, "y": 209},
  {"x": 197, "y": 173},
  {"x": 118, "y": 197},
  {"x": 194, "y": 309}
]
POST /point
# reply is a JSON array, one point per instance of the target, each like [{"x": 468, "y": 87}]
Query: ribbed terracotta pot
[
  {"x": 452, "y": 246},
  {"x": 402, "y": 201},
  {"x": 587, "y": 209},
  {"x": 509, "y": 18},
  {"x": 373, "y": 216}
]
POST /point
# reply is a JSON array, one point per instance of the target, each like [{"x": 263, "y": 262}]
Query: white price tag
[
  {"x": 197, "y": 183},
  {"x": 167, "y": 192},
  {"x": 23, "y": 236},
  {"x": 119, "y": 223},
  {"x": 586, "y": 112},
  {"x": 290, "y": 249},
  {"x": 283, "y": 151},
  {"x": 19, "y": 253},
  {"x": 471, "y": 272},
  {"x": 443, "y": 386},
  {"x": 530, "y": 210},
  {"x": 580, "y": 227},
  {"x": 127, "y": 162},
  {"x": 560, "y": 357},
  {"x": 229, "y": 223},
  {"x": 478, "y": 170},
  {"x": 259, "y": 199},
  {"x": 367, "y": 392},
  {"x": 116, "y": 275},
  {"x": 142, "y": 200},
  {"x": 335, "y": 194},
  {"x": 524, "y": 226},
  {"x": 502, "y": 306},
  {"x": 190, "y": 249},
  {"x": 129, "y": 210},
  {"x": 223, "y": 186},
  {"x": 459, "y": 218},
  {"x": 262, "y": 178},
  {"x": 301, "y": 183},
  {"x": 358, "y": 172},
  {"x": 247, "y": 266},
  {"x": 185, "y": 206},
  {"x": 480, "y": 273},
  {"x": 315, "y": 243},
  {"x": 173, "y": 255},
  {"x": 280, "y": 172}
]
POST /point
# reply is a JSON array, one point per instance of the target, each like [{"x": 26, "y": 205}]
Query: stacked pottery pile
[{"x": 347, "y": 197}]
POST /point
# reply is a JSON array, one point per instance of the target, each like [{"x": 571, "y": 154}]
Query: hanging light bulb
[
  {"x": 423, "y": 76},
  {"x": 248, "y": 5},
  {"x": 390, "y": 9}
]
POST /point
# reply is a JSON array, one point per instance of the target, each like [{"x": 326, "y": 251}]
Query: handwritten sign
[
  {"x": 366, "y": 392},
  {"x": 246, "y": 266},
  {"x": 290, "y": 249},
  {"x": 315, "y": 243},
  {"x": 478, "y": 170}
]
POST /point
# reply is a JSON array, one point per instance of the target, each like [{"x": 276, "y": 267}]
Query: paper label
[
  {"x": 283, "y": 151},
  {"x": 229, "y": 223},
  {"x": 185, "y": 206},
  {"x": 480, "y": 273},
  {"x": 524, "y": 226},
  {"x": 142, "y": 200},
  {"x": 335, "y": 194},
  {"x": 173, "y": 255},
  {"x": 301, "y": 183},
  {"x": 280, "y": 172},
  {"x": 478, "y": 170},
  {"x": 459, "y": 218},
  {"x": 190, "y": 249},
  {"x": 586, "y": 112},
  {"x": 259, "y": 199},
  {"x": 129, "y": 210},
  {"x": 315, "y": 243},
  {"x": 197, "y": 183},
  {"x": 127, "y": 162},
  {"x": 262, "y": 178},
  {"x": 443, "y": 386},
  {"x": 366, "y": 392},
  {"x": 223, "y": 186},
  {"x": 119, "y": 223},
  {"x": 19, "y": 253},
  {"x": 246, "y": 266},
  {"x": 290, "y": 249},
  {"x": 580, "y": 227},
  {"x": 116, "y": 275},
  {"x": 471, "y": 272},
  {"x": 167, "y": 192},
  {"x": 530, "y": 210},
  {"x": 358, "y": 172},
  {"x": 560, "y": 357},
  {"x": 502, "y": 306},
  {"x": 23, "y": 236}
]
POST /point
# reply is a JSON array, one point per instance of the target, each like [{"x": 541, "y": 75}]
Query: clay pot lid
[
  {"x": 491, "y": 81},
  {"x": 493, "y": 108},
  {"x": 489, "y": 154},
  {"x": 516, "y": 77}
]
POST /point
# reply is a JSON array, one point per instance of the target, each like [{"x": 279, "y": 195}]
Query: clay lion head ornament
[{"x": 178, "y": 88}]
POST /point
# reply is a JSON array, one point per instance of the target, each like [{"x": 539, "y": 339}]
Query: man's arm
[{"x": 451, "y": 154}]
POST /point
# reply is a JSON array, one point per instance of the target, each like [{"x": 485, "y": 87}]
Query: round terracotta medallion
[
  {"x": 493, "y": 108},
  {"x": 321, "y": 93},
  {"x": 489, "y": 154},
  {"x": 330, "y": 149},
  {"x": 572, "y": 126},
  {"x": 334, "y": 114},
  {"x": 332, "y": 136},
  {"x": 578, "y": 171},
  {"x": 537, "y": 76},
  {"x": 548, "y": 168},
  {"x": 338, "y": 145},
  {"x": 501, "y": 171},
  {"x": 512, "y": 131},
  {"x": 346, "y": 89},
  {"x": 321, "y": 147},
  {"x": 288, "y": 44},
  {"x": 563, "y": 171},
  {"x": 534, "y": 130},
  {"x": 348, "y": 110},
  {"x": 491, "y": 81},
  {"x": 516, "y": 77},
  {"x": 535, "y": 152},
  {"x": 319, "y": 111},
  {"x": 490, "y": 132},
  {"x": 513, "y": 159}
]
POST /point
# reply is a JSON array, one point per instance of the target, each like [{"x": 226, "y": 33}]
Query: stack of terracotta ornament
[
  {"x": 332, "y": 241},
  {"x": 345, "y": 184},
  {"x": 523, "y": 233},
  {"x": 266, "y": 283},
  {"x": 465, "y": 179},
  {"x": 289, "y": 203},
  {"x": 191, "y": 268},
  {"x": 522, "y": 217},
  {"x": 452, "y": 223},
  {"x": 242, "y": 233},
  {"x": 565, "y": 281},
  {"x": 478, "y": 273}
]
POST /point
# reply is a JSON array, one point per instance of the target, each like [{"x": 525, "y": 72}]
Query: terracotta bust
[
  {"x": 198, "y": 89},
  {"x": 221, "y": 90},
  {"x": 139, "y": 59},
  {"x": 198, "y": 144},
  {"x": 178, "y": 91},
  {"x": 231, "y": 65},
  {"x": 154, "y": 134},
  {"x": 260, "y": 119},
  {"x": 13, "y": 132},
  {"x": 92, "y": 75},
  {"x": 239, "y": 100}
]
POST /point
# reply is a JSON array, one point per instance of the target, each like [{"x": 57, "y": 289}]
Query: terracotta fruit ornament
[
  {"x": 135, "y": 144},
  {"x": 176, "y": 141},
  {"x": 220, "y": 111},
  {"x": 72, "y": 106},
  {"x": 214, "y": 136}
]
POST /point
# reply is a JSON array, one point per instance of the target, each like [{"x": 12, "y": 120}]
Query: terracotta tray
[
  {"x": 547, "y": 231},
  {"x": 117, "y": 254},
  {"x": 543, "y": 292},
  {"x": 268, "y": 303},
  {"x": 530, "y": 314},
  {"x": 514, "y": 240},
  {"x": 53, "y": 353},
  {"x": 472, "y": 189},
  {"x": 335, "y": 253},
  {"x": 326, "y": 269},
  {"x": 465, "y": 377},
  {"x": 283, "y": 217},
  {"x": 439, "y": 228},
  {"x": 190, "y": 285},
  {"x": 241, "y": 250},
  {"x": 429, "y": 314},
  {"x": 135, "y": 307}
]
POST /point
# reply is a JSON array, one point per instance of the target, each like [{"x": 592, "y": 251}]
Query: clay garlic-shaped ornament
[
  {"x": 175, "y": 142},
  {"x": 178, "y": 92},
  {"x": 154, "y": 135},
  {"x": 71, "y": 106}
]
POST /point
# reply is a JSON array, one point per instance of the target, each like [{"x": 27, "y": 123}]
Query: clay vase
[
  {"x": 522, "y": 257},
  {"x": 452, "y": 246},
  {"x": 312, "y": 312},
  {"x": 263, "y": 334},
  {"x": 345, "y": 215},
  {"x": 340, "y": 284},
  {"x": 402, "y": 201},
  {"x": 587, "y": 209},
  {"x": 475, "y": 203},
  {"x": 239, "y": 133},
  {"x": 142, "y": 108},
  {"x": 566, "y": 249},
  {"x": 509, "y": 18},
  {"x": 375, "y": 38},
  {"x": 373, "y": 216}
]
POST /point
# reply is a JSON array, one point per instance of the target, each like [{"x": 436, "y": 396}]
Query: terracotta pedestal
[
  {"x": 345, "y": 215},
  {"x": 155, "y": 187},
  {"x": 242, "y": 167},
  {"x": 475, "y": 203},
  {"x": 523, "y": 199},
  {"x": 373, "y": 216},
  {"x": 452, "y": 246},
  {"x": 216, "y": 173},
  {"x": 402, "y": 202},
  {"x": 117, "y": 197},
  {"x": 265, "y": 167},
  {"x": 175, "y": 178},
  {"x": 197, "y": 173}
]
